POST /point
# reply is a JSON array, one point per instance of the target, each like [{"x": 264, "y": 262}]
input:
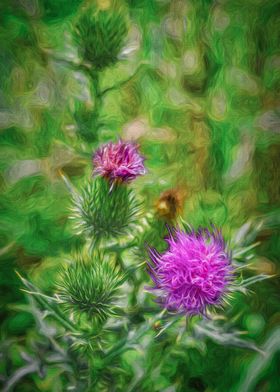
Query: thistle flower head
[
  {"x": 100, "y": 35},
  {"x": 90, "y": 287},
  {"x": 104, "y": 214},
  {"x": 193, "y": 273},
  {"x": 119, "y": 161}
]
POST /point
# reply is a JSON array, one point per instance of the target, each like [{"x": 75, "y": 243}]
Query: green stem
[
  {"x": 120, "y": 347},
  {"x": 95, "y": 90},
  {"x": 121, "y": 83},
  {"x": 89, "y": 377}
]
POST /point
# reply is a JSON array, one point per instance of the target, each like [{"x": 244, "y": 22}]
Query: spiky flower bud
[
  {"x": 119, "y": 162},
  {"x": 194, "y": 273},
  {"x": 90, "y": 287},
  {"x": 100, "y": 35},
  {"x": 103, "y": 213}
]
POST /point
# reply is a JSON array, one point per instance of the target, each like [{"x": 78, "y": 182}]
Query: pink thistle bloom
[
  {"x": 194, "y": 273},
  {"x": 119, "y": 161}
]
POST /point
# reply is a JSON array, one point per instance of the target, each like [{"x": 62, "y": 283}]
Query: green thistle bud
[
  {"x": 100, "y": 35},
  {"x": 103, "y": 213},
  {"x": 90, "y": 287}
]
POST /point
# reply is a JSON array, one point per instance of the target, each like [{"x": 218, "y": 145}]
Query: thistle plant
[
  {"x": 193, "y": 271},
  {"x": 193, "y": 276},
  {"x": 106, "y": 208},
  {"x": 100, "y": 34}
]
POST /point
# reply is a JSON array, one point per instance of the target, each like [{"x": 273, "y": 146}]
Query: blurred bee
[{"x": 170, "y": 204}]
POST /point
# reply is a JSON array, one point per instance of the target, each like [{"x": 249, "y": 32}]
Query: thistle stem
[
  {"x": 120, "y": 347},
  {"x": 95, "y": 89}
]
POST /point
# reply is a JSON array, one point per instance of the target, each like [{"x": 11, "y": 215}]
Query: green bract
[
  {"x": 90, "y": 287},
  {"x": 104, "y": 213},
  {"x": 100, "y": 36}
]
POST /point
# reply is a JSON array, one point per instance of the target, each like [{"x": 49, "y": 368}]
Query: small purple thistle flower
[
  {"x": 193, "y": 273},
  {"x": 119, "y": 161}
]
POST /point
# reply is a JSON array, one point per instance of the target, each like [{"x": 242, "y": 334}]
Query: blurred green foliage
[{"x": 197, "y": 85}]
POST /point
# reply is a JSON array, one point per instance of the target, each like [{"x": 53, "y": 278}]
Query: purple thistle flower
[
  {"x": 119, "y": 161},
  {"x": 193, "y": 273}
]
